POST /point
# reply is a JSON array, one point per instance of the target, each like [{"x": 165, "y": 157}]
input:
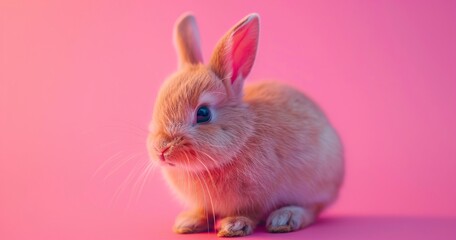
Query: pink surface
[{"x": 78, "y": 80}]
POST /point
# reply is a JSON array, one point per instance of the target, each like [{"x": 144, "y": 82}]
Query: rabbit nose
[{"x": 162, "y": 153}]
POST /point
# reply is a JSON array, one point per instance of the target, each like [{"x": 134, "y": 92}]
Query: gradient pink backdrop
[{"x": 78, "y": 81}]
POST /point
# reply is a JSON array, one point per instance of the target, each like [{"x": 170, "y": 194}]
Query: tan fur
[{"x": 268, "y": 147}]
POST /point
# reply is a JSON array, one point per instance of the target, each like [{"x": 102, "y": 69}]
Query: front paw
[
  {"x": 288, "y": 219},
  {"x": 190, "y": 222},
  {"x": 235, "y": 227}
]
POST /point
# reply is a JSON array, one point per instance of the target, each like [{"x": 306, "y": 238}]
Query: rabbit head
[{"x": 199, "y": 120}]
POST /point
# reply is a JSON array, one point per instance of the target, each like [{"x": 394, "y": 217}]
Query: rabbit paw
[
  {"x": 188, "y": 222},
  {"x": 288, "y": 219},
  {"x": 235, "y": 227}
]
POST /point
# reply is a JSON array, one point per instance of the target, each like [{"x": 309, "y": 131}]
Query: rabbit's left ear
[
  {"x": 187, "y": 40},
  {"x": 235, "y": 53}
]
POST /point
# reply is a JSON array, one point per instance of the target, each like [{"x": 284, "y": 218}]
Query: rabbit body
[
  {"x": 292, "y": 156},
  {"x": 268, "y": 154}
]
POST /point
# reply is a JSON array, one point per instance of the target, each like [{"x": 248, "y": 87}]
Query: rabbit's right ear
[
  {"x": 235, "y": 53},
  {"x": 187, "y": 41}
]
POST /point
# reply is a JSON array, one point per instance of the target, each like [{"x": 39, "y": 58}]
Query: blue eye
[{"x": 203, "y": 114}]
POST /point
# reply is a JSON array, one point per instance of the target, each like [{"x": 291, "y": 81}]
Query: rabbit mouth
[
  {"x": 176, "y": 156},
  {"x": 187, "y": 159},
  {"x": 184, "y": 154},
  {"x": 166, "y": 158},
  {"x": 167, "y": 163}
]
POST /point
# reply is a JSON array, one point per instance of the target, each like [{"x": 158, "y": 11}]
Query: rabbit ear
[
  {"x": 235, "y": 53},
  {"x": 187, "y": 40}
]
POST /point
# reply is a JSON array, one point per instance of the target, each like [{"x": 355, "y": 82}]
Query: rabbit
[{"x": 240, "y": 156}]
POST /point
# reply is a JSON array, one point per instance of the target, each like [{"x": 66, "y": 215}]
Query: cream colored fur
[{"x": 268, "y": 155}]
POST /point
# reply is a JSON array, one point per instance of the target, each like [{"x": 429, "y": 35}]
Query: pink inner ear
[{"x": 244, "y": 45}]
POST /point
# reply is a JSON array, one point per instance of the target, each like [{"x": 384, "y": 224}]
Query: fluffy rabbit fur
[{"x": 268, "y": 154}]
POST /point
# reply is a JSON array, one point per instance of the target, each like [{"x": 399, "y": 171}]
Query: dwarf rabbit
[{"x": 240, "y": 156}]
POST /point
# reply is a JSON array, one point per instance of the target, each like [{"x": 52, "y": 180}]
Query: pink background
[{"x": 78, "y": 81}]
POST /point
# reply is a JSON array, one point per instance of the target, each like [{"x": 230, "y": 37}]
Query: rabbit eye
[{"x": 203, "y": 114}]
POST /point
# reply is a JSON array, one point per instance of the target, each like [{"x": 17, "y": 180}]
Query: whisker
[
  {"x": 132, "y": 144},
  {"x": 118, "y": 166},
  {"x": 213, "y": 184},
  {"x": 103, "y": 165},
  {"x": 125, "y": 183},
  {"x": 211, "y": 158},
  {"x": 206, "y": 212},
  {"x": 151, "y": 172},
  {"x": 142, "y": 178},
  {"x": 187, "y": 169},
  {"x": 116, "y": 127},
  {"x": 139, "y": 127}
]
